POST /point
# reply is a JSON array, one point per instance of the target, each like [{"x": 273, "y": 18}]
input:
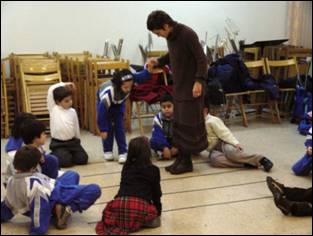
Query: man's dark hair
[
  {"x": 61, "y": 92},
  {"x": 157, "y": 19},
  {"x": 32, "y": 129},
  {"x": 166, "y": 97},
  {"x": 139, "y": 153},
  {"x": 19, "y": 121},
  {"x": 26, "y": 158}
]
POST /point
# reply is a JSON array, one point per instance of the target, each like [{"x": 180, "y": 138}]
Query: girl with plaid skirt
[{"x": 138, "y": 201}]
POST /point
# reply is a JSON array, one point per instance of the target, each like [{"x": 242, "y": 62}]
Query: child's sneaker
[
  {"x": 108, "y": 156},
  {"x": 122, "y": 158}
]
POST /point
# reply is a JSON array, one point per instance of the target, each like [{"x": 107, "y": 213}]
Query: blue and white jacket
[
  {"x": 106, "y": 98},
  {"x": 160, "y": 138},
  {"x": 303, "y": 167}
]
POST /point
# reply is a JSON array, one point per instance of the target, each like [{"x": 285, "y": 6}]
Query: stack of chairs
[
  {"x": 74, "y": 68},
  {"x": 4, "y": 100},
  {"x": 37, "y": 75},
  {"x": 15, "y": 60}
]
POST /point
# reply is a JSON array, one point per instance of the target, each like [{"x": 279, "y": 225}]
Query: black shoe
[
  {"x": 275, "y": 187},
  {"x": 174, "y": 164},
  {"x": 282, "y": 203},
  {"x": 249, "y": 166},
  {"x": 184, "y": 166},
  {"x": 267, "y": 164}
]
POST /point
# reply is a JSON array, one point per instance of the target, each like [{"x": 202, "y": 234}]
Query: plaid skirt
[{"x": 124, "y": 215}]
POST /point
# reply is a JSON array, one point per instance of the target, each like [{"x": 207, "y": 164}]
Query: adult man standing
[{"x": 189, "y": 66}]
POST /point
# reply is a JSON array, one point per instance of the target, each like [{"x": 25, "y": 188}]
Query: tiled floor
[{"x": 207, "y": 201}]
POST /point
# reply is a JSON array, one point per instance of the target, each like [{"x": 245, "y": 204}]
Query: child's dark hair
[
  {"x": 119, "y": 77},
  {"x": 32, "y": 129},
  {"x": 166, "y": 97},
  {"x": 61, "y": 92},
  {"x": 139, "y": 153},
  {"x": 157, "y": 19},
  {"x": 26, "y": 158},
  {"x": 19, "y": 121}
]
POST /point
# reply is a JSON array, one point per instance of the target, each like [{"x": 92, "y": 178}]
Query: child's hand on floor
[
  {"x": 104, "y": 135},
  {"x": 166, "y": 153}
]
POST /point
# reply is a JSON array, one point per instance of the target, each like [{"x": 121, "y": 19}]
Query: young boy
[
  {"x": 36, "y": 196},
  {"x": 162, "y": 132},
  {"x": 34, "y": 133},
  {"x": 225, "y": 150},
  {"x": 64, "y": 126}
]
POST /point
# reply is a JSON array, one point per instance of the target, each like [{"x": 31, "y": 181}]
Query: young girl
[
  {"x": 138, "y": 202},
  {"x": 111, "y": 98}
]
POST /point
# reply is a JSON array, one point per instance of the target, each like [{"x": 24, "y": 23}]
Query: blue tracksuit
[
  {"x": 110, "y": 113},
  {"x": 161, "y": 133},
  {"x": 51, "y": 165},
  {"x": 34, "y": 195},
  {"x": 303, "y": 167}
]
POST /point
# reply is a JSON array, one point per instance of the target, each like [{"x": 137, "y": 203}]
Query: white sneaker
[
  {"x": 108, "y": 156},
  {"x": 122, "y": 158}
]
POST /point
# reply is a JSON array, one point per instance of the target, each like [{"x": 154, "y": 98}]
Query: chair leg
[
  {"x": 139, "y": 118},
  {"x": 243, "y": 112}
]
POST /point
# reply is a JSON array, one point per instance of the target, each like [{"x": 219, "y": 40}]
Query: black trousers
[
  {"x": 69, "y": 152},
  {"x": 300, "y": 201}
]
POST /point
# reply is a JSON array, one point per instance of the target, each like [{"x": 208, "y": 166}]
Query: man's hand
[
  {"x": 197, "y": 89},
  {"x": 104, "y": 135}
]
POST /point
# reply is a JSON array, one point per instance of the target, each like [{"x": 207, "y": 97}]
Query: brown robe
[{"x": 189, "y": 64}]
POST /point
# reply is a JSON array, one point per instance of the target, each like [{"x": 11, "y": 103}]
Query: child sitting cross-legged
[
  {"x": 37, "y": 196},
  {"x": 138, "y": 201}
]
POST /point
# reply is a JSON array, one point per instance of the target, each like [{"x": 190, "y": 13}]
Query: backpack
[
  {"x": 231, "y": 72},
  {"x": 215, "y": 93}
]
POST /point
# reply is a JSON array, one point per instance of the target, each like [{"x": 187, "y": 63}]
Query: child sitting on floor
[
  {"x": 15, "y": 142},
  {"x": 138, "y": 202},
  {"x": 64, "y": 126},
  {"x": 225, "y": 150},
  {"x": 36, "y": 196},
  {"x": 111, "y": 98},
  {"x": 33, "y": 132},
  {"x": 162, "y": 133}
]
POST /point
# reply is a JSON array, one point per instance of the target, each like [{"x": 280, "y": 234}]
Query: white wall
[{"x": 29, "y": 27}]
